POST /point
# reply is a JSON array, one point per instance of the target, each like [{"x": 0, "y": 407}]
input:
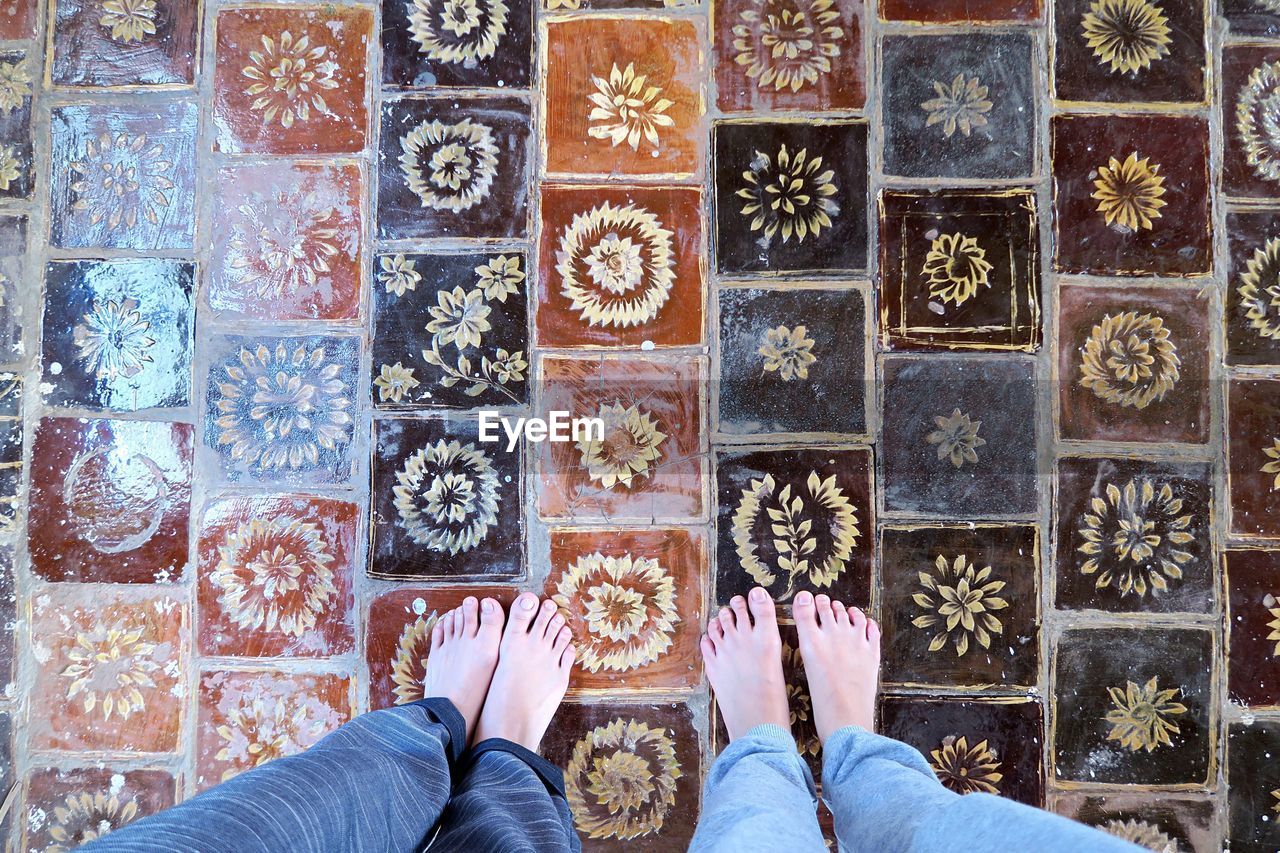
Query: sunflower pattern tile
[
  {"x": 1253, "y": 289},
  {"x": 1151, "y": 822},
  {"x": 68, "y": 808}
]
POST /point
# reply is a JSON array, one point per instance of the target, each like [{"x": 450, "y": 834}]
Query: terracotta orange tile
[
  {"x": 110, "y": 668},
  {"x": 291, "y": 79},
  {"x": 623, "y": 96},
  {"x": 620, "y": 266},
  {"x": 110, "y": 500},
  {"x": 67, "y": 808},
  {"x": 275, "y": 577},
  {"x": 651, "y": 464},
  {"x": 249, "y": 718},
  {"x": 18, "y": 19},
  {"x": 634, "y": 601},
  {"x": 287, "y": 243},
  {"x": 398, "y": 637}
]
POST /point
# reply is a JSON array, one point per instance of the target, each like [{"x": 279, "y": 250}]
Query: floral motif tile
[
  {"x": 1253, "y": 626},
  {"x": 960, "y": 270},
  {"x": 659, "y": 743},
  {"x": 110, "y": 500},
  {"x": 987, "y": 746},
  {"x": 793, "y": 361},
  {"x": 1133, "y": 364},
  {"x": 1253, "y": 457},
  {"x": 249, "y": 718},
  {"x": 94, "y": 204},
  {"x": 398, "y": 637},
  {"x": 18, "y": 73},
  {"x": 823, "y": 67},
  {"x": 444, "y": 504},
  {"x": 960, "y": 11},
  {"x": 1130, "y": 51},
  {"x": 634, "y": 601},
  {"x": 620, "y": 266},
  {"x": 451, "y": 330},
  {"x": 1134, "y": 536},
  {"x": 12, "y": 430},
  {"x": 66, "y": 808},
  {"x": 1251, "y": 17},
  {"x": 1154, "y": 823},
  {"x": 118, "y": 334},
  {"x": 993, "y": 572},
  {"x": 1251, "y": 140},
  {"x": 959, "y": 106},
  {"x": 820, "y": 165},
  {"x": 1253, "y": 780},
  {"x": 281, "y": 409},
  {"x": 8, "y": 624},
  {"x": 453, "y": 167},
  {"x": 7, "y": 769},
  {"x": 291, "y": 79},
  {"x": 623, "y": 96},
  {"x": 1134, "y": 706},
  {"x": 424, "y": 44},
  {"x": 13, "y": 272},
  {"x": 820, "y": 497},
  {"x": 111, "y": 669},
  {"x": 959, "y": 436},
  {"x": 287, "y": 242},
  {"x": 1131, "y": 194},
  {"x": 650, "y": 464},
  {"x": 1253, "y": 294},
  {"x": 275, "y": 577},
  {"x": 18, "y": 20},
  {"x": 119, "y": 43}
]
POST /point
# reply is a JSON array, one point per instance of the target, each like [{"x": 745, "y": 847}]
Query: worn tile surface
[
  {"x": 67, "y": 808},
  {"x": 126, "y": 44}
]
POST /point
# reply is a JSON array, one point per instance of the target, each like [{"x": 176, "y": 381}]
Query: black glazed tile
[
  {"x": 1253, "y": 626},
  {"x": 13, "y": 275},
  {"x": 1253, "y": 288},
  {"x": 1253, "y": 785},
  {"x": 422, "y": 47},
  {"x": 1252, "y": 17},
  {"x": 124, "y": 43},
  {"x": 18, "y": 75}
]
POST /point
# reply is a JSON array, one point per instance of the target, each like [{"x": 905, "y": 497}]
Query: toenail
[
  {"x": 487, "y": 605},
  {"x": 527, "y": 604},
  {"x": 757, "y": 594}
]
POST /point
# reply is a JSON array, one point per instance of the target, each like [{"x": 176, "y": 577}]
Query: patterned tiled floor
[{"x": 963, "y": 310}]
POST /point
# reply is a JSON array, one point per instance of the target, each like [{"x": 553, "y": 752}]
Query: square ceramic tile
[
  {"x": 1253, "y": 291},
  {"x": 1253, "y": 457},
  {"x": 1134, "y": 536},
  {"x": 13, "y": 278},
  {"x": 117, "y": 44},
  {"x": 287, "y": 242},
  {"x": 398, "y": 637},
  {"x": 18, "y": 20},
  {"x": 1134, "y": 706},
  {"x": 623, "y": 96},
  {"x": 8, "y": 624},
  {"x": 1154, "y": 823},
  {"x": 1130, "y": 51},
  {"x": 291, "y": 79},
  {"x": 7, "y": 770},
  {"x": 660, "y": 745},
  {"x": 275, "y": 577},
  {"x": 453, "y": 167},
  {"x": 959, "y": 436},
  {"x": 821, "y": 65},
  {"x": 71, "y": 807},
  {"x": 820, "y": 224},
  {"x": 649, "y": 465},
  {"x": 974, "y": 745},
  {"x": 427, "y": 43},
  {"x": 820, "y": 497},
  {"x": 958, "y": 11},
  {"x": 444, "y": 504},
  {"x": 793, "y": 361},
  {"x": 451, "y": 330},
  {"x": 996, "y": 640},
  {"x": 110, "y": 500},
  {"x": 1253, "y": 780},
  {"x": 94, "y": 204},
  {"x": 246, "y": 719},
  {"x": 1253, "y": 626},
  {"x": 960, "y": 270},
  {"x": 17, "y": 157},
  {"x": 280, "y": 409},
  {"x": 1251, "y": 140},
  {"x": 1133, "y": 364},
  {"x": 110, "y": 671},
  {"x": 959, "y": 106},
  {"x": 118, "y": 334},
  {"x": 1251, "y": 17},
  {"x": 12, "y": 430},
  {"x": 620, "y": 266},
  {"x": 634, "y": 600},
  {"x": 1131, "y": 195}
]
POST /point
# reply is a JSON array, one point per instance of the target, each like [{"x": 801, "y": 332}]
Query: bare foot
[
  {"x": 464, "y": 652},
  {"x": 840, "y": 647},
  {"x": 744, "y": 665},
  {"x": 532, "y": 676}
]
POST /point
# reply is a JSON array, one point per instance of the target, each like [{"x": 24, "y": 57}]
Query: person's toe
[
  {"x": 873, "y": 634},
  {"x": 450, "y": 629},
  {"x": 545, "y": 612},
  {"x": 858, "y": 619},
  {"x": 522, "y": 613},
  {"x": 567, "y": 656},
  {"x": 740, "y": 613},
  {"x": 825, "y": 616},
  {"x": 839, "y": 613},
  {"x": 708, "y": 647},
  {"x": 470, "y": 616},
  {"x": 562, "y": 637},
  {"x": 437, "y": 633},
  {"x": 715, "y": 631},
  {"x": 490, "y": 617},
  {"x": 554, "y": 626},
  {"x": 763, "y": 610},
  {"x": 728, "y": 623},
  {"x": 803, "y": 609}
]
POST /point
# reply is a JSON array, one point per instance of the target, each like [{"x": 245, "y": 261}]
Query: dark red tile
[
  {"x": 1253, "y": 457},
  {"x": 116, "y": 43},
  {"x": 18, "y": 19},
  {"x": 424, "y": 45},
  {"x": 1253, "y": 626},
  {"x": 1253, "y": 779},
  {"x": 957, "y": 11},
  {"x": 68, "y": 808},
  {"x": 1253, "y": 294},
  {"x": 1251, "y": 140}
]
